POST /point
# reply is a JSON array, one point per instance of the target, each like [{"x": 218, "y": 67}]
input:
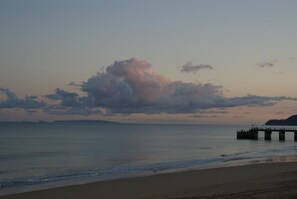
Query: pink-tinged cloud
[
  {"x": 126, "y": 83},
  {"x": 131, "y": 86}
]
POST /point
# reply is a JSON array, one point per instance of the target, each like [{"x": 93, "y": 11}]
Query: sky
[{"x": 202, "y": 61}]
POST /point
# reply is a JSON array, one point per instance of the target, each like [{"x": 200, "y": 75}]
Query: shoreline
[
  {"x": 264, "y": 178},
  {"x": 88, "y": 180}
]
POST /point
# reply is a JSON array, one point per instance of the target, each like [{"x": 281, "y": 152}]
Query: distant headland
[
  {"x": 63, "y": 122},
  {"x": 290, "y": 121}
]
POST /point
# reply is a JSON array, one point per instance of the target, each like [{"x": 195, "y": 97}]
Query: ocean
[{"x": 35, "y": 156}]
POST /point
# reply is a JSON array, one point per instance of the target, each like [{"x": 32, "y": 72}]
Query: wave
[
  {"x": 144, "y": 169},
  {"x": 111, "y": 172}
]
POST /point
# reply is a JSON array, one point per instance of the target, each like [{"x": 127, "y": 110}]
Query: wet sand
[{"x": 269, "y": 180}]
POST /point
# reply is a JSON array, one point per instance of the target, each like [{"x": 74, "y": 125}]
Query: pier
[{"x": 253, "y": 133}]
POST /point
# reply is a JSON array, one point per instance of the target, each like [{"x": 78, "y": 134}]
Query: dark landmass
[
  {"x": 84, "y": 122},
  {"x": 61, "y": 122},
  {"x": 290, "y": 121}
]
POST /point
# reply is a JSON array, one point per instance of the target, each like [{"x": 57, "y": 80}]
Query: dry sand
[{"x": 270, "y": 180}]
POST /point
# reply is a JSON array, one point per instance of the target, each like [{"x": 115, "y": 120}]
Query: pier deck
[{"x": 253, "y": 133}]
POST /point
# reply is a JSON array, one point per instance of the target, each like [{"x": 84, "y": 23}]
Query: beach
[{"x": 268, "y": 180}]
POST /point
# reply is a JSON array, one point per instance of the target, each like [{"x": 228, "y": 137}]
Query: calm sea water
[{"x": 33, "y": 155}]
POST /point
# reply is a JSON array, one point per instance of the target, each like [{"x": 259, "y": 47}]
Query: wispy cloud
[
  {"x": 255, "y": 100},
  {"x": 265, "y": 64},
  {"x": 188, "y": 67},
  {"x": 74, "y": 84},
  {"x": 213, "y": 112},
  {"x": 203, "y": 116}
]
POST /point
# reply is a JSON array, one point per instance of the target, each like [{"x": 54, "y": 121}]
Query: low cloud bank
[
  {"x": 13, "y": 101},
  {"x": 131, "y": 86}
]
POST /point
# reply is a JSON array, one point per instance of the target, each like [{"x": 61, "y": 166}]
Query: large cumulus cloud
[
  {"x": 131, "y": 86},
  {"x": 129, "y": 83}
]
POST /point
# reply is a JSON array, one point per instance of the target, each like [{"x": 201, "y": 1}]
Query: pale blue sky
[{"x": 44, "y": 45}]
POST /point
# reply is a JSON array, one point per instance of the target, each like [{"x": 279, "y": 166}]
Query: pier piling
[
  {"x": 282, "y": 135},
  {"x": 267, "y": 135}
]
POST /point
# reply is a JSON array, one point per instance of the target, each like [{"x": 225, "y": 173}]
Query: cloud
[
  {"x": 70, "y": 103},
  {"x": 62, "y": 110},
  {"x": 126, "y": 85},
  {"x": 204, "y": 116},
  {"x": 238, "y": 116},
  {"x": 213, "y": 112},
  {"x": 189, "y": 68},
  {"x": 13, "y": 101},
  {"x": 68, "y": 98},
  {"x": 254, "y": 100},
  {"x": 267, "y": 63},
  {"x": 74, "y": 84},
  {"x": 131, "y": 86}
]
